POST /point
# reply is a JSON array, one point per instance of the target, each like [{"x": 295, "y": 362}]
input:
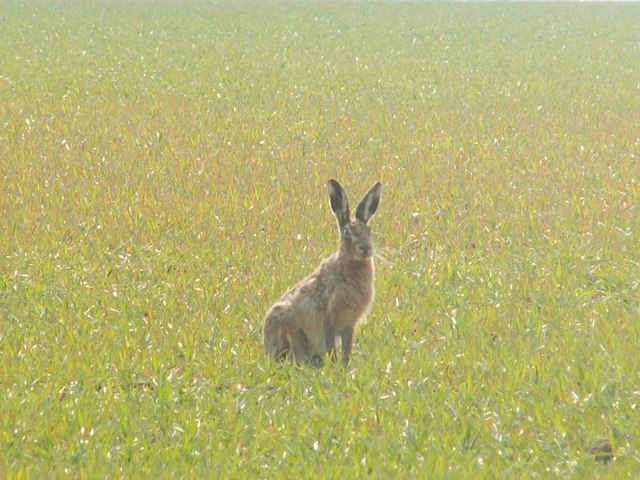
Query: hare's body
[
  {"x": 331, "y": 301},
  {"x": 322, "y": 310}
]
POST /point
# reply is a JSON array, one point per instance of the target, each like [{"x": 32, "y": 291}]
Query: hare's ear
[
  {"x": 369, "y": 203},
  {"x": 339, "y": 202}
]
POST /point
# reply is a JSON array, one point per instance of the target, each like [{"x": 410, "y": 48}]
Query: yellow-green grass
[{"x": 162, "y": 182}]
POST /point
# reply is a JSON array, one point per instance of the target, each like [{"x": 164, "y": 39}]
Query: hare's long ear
[
  {"x": 369, "y": 203},
  {"x": 339, "y": 202}
]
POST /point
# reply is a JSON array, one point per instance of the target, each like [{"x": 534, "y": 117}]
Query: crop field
[{"x": 163, "y": 169}]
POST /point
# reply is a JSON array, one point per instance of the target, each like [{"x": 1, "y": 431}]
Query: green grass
[{"x": 162, "y": 182}]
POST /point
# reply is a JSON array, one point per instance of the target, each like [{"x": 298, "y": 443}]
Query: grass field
[{"x": 162, "y": 182}]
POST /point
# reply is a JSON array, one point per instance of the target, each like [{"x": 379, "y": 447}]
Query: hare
[{"x": 321, "y": 311}]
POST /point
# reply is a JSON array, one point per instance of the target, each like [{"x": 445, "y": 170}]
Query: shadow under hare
[{"x": 321, "y": 311}]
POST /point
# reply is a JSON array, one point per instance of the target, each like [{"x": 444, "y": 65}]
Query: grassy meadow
[{"x": 163, "y": 169}]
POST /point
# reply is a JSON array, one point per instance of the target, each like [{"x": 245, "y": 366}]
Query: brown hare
[{"x": 321, "y": 311}]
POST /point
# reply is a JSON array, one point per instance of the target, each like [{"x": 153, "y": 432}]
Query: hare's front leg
[
  {"x": 298, "y": 342},
  {"x": 347, "y": 342},
  {"x": 330, "y": 340}
]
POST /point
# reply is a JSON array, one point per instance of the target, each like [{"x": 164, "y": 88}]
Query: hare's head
[{"x": 355, "y": 236}]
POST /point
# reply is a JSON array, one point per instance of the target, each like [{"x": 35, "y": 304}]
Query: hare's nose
[{"x": 364, "y": 250}]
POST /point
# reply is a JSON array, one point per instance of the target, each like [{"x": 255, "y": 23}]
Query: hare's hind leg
[{"x": 275, "y": 340}]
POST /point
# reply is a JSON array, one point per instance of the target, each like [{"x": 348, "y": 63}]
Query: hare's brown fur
[{"x": 324, "y": 308}]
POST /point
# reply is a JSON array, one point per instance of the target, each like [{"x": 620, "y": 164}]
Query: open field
[{"x": 162, "y": 183}]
